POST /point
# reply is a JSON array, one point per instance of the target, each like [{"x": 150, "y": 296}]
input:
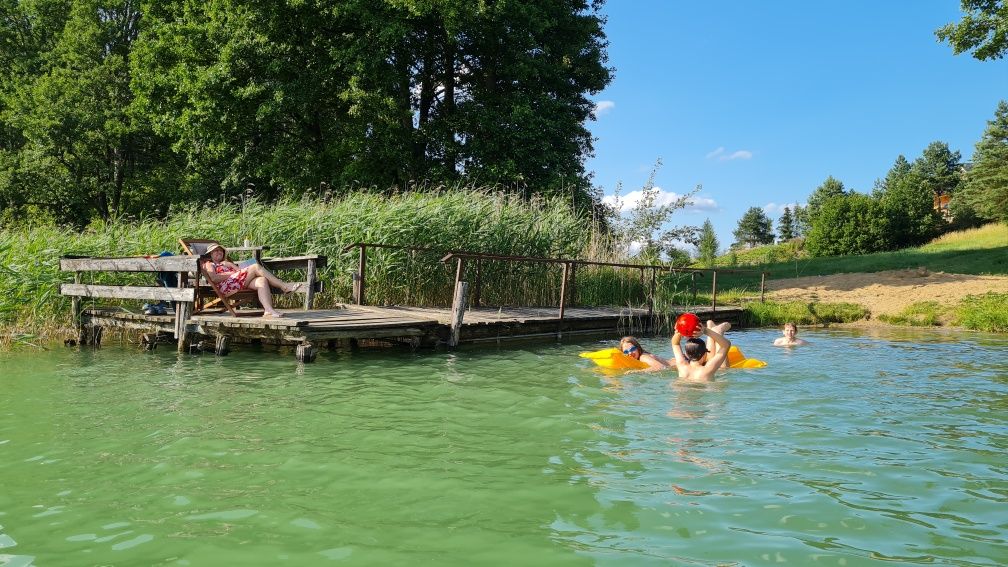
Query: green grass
[
  {"x": 988, "y": 312},
  {"x": 921, "y": 314},
  {"x": 981, "y": 250},
  {"x": 772, "y": 313}
]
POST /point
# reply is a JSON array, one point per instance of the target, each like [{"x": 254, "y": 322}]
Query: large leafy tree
[
  {"x": 754, "y": 228},
  {"x": 938, "y": 168},
  {"x": 290, "y": 95},
  {"x": 853, "y": 223},
  {"x": 983, "y": 29},
  {"x": 81, "y": 150},
  {"x": 987, "y": 183},
  {"x": 831, "y": 187},
  {"x": 907, "y": 200}
]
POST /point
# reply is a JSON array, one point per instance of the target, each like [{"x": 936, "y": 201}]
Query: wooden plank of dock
[{"x": 427, "y": 325}]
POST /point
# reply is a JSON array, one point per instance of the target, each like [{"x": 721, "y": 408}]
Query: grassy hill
[{"x": 981, "y": 250}]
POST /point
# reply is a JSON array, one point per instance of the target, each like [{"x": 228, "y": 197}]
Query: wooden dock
[
  {"x": 416, "y": 326},
  {"x": 466, "y": 321}
]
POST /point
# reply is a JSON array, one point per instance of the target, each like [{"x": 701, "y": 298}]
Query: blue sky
[{"x": 759, "y": 101}]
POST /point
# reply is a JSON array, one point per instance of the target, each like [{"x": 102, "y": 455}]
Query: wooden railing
[
  {"x": 182, "y": 296},
  {"x": 461, "y": 288}
]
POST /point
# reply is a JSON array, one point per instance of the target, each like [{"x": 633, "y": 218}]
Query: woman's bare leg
[
  {"x": 262, "y": 287},
  {"x": 257, "y": 271}
]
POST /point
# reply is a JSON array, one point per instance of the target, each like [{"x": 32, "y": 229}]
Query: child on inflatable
[{"x": 632, "y": 348}]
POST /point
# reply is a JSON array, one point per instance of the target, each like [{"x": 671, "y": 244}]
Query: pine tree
[
  {"x": 987, "y": 182},
  {"x": 785, "y": 226},
  {"x": 754, "y": 228},
  {"x": 707, "y": 245}
]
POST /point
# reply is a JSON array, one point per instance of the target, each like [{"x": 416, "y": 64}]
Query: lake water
[{"x": 883, "y": 448}]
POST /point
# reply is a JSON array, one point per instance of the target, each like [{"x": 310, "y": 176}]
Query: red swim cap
[{"x": 686, "y": 324}]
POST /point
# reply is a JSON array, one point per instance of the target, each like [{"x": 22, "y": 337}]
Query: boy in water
[
  {"x": 693, "y": 360},
  {"x": 790, "y": 337}
]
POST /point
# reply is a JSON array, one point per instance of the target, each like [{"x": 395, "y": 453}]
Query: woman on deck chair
[{"x": 229, "y": 278}]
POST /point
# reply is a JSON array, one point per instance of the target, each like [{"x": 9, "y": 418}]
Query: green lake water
[{"x": 880, "y": 448}]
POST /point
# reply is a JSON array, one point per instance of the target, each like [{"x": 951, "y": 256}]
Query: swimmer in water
[
  {"x": 790, "y": 337},
  {"x": 694, "y": 361},
  {"x": 632, "y": 348}
]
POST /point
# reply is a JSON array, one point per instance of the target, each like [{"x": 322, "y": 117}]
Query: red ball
[{"x": 686, "y": 324}]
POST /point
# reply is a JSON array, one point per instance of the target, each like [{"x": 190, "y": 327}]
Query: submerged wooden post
[
  {"x": 458, "y": 311},
  {"x": 762, "y": 287},
  {"x": 713, "y": 306}
]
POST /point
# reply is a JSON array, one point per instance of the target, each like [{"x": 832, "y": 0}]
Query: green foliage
[
  {"x": 707, "y": 245},
  {"x": 938, "y": 169},
  {"x": 920, "y": 314},
  {"x": 829, "y": 189},
  {"x": 986, "y": 189},
  {"x": 111, "y": 109},
  {"x": 850, "y": 224},
  {"x": 981, "y": 30},
  {"x": 988, "y": 312},
  {"x": 772, "y": 313},
  {"x": 908, "y": 203},
  {"x": 291, "y": 95},
  {"x": 754, "y": 228}
]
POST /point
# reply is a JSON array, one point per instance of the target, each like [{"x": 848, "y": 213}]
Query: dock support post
[
  {"x": 78, "y": 312},
  {"x": 181, "y": 322},
  {"x": 222, "y": 346},
  {"x": 458, "y": 311},
  {"x": 310, "y": 296},
  {"x": 305, "y": 352}
]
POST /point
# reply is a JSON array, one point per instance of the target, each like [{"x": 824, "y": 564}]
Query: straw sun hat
[{"x": 215, "y": 246}]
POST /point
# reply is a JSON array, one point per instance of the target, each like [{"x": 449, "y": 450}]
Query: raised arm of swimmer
[{"x": 721, "y": 353}]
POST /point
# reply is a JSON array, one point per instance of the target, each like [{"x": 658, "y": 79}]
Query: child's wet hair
[{"x": 695, "y": 349}]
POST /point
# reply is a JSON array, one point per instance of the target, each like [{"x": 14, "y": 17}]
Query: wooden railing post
[
  {"x": 78, "y": 314},
  {"x": 458, "y": 311},
  {"x": 713, "y": 306},
  {"x": 478, "y": 284},
  {"x": 563, "y": 289},
  {"x": 310, "y": 277},
  {"x": 762, "y": 287},
  {"x": 693, "y": 285},
  {"x": 361, "y": 270},
  {"x": 573, "y": 284},
  {"x": 651, "y": 299}
]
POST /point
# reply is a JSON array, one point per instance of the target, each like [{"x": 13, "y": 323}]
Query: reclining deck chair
[{"x": 203, "y": 284}]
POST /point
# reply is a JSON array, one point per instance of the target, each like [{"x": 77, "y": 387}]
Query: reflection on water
[{"x": 864, "y": 448}]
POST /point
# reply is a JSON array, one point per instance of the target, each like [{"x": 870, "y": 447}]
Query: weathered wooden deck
[{"x": 416, "y": 325}]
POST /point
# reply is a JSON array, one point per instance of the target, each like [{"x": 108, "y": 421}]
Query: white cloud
[
  {"x": 629, "y": 201},
  {"x": 603, "y": 107},
  {"x": 776, "y": 209},
  {"x": 715, "y": 153},
  {"x": 722, "y": 156}
]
